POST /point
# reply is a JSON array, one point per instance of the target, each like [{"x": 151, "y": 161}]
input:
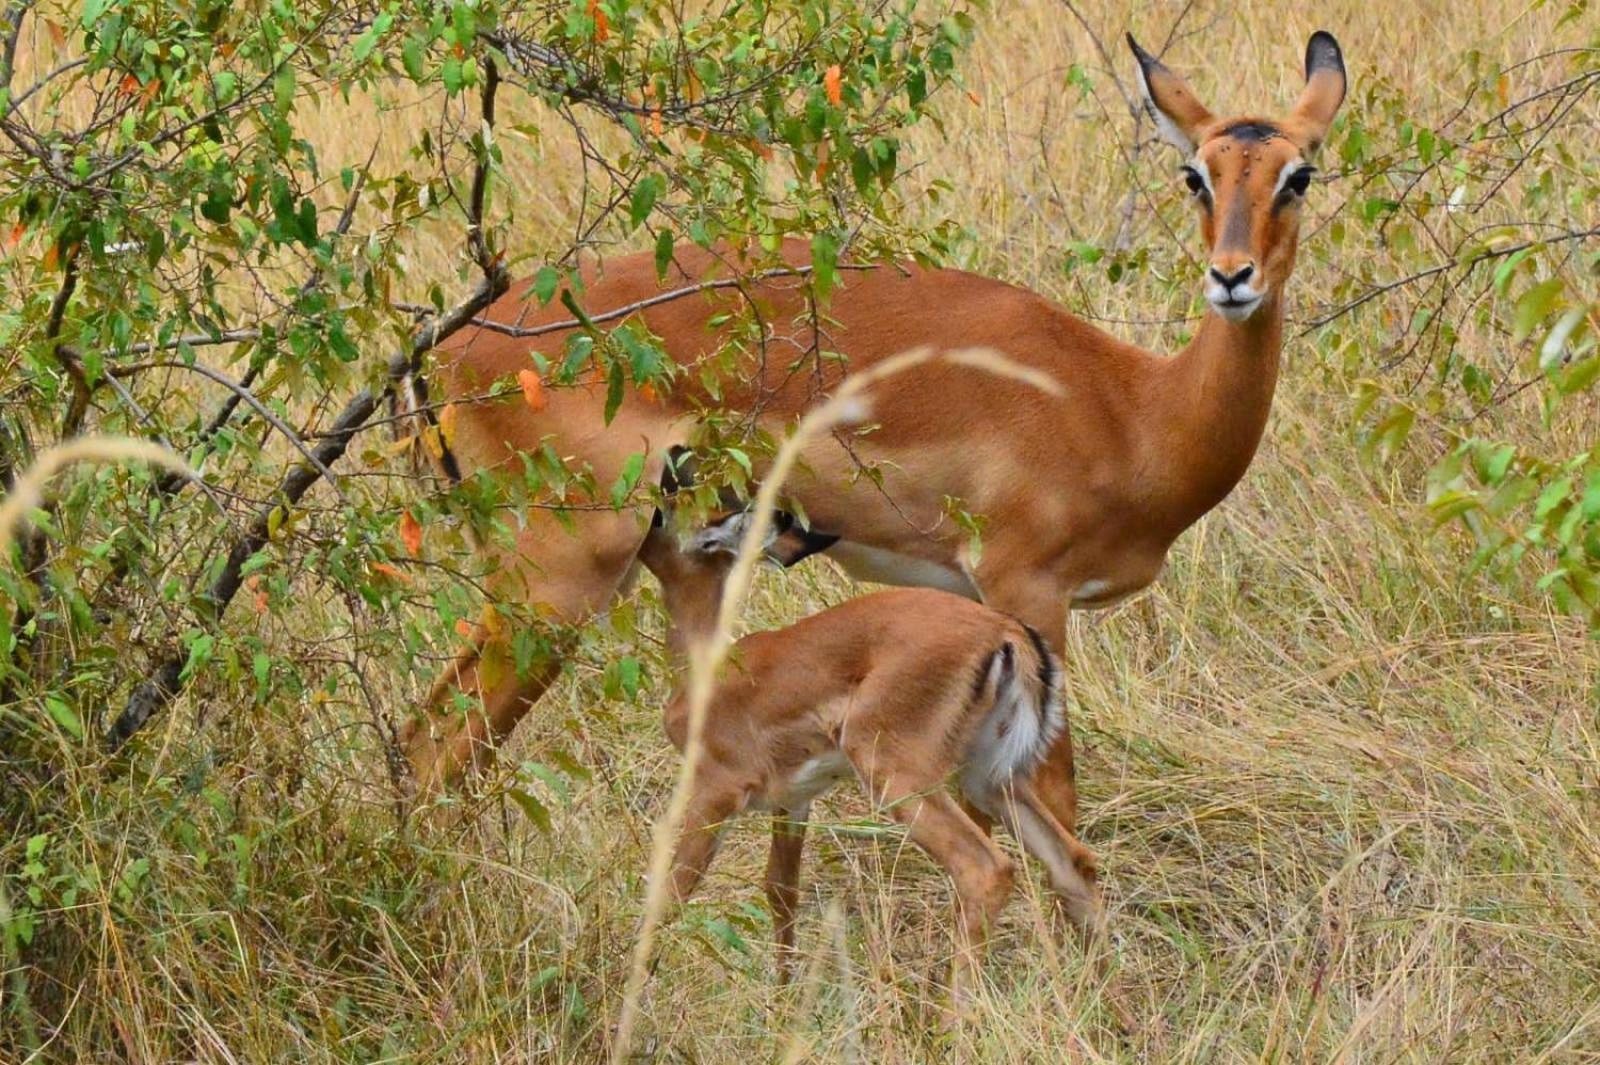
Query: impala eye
[
  {"x": 1299, "y": 181},
  {"x": 1192, "y": 178}
]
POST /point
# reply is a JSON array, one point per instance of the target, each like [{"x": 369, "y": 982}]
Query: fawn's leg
[
  {"x": 1071, "y": 869},
  {"x": 1067, "y": 862},
  {"x": 783, "y": 883},
  {"x": 981, "y": 873},
  {"x": 712, "y": 805}
]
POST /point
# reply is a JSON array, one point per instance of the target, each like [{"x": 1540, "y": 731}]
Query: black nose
[{"x": 1240, "y": 276}]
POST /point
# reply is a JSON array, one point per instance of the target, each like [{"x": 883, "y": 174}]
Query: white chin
[{"x": 1236, "y": 312}]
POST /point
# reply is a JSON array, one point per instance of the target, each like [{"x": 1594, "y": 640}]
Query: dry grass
[{"x": 1345, "y": 800}]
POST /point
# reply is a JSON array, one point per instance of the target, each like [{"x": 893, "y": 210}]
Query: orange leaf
[
  {"x": 58, "y": 32},
  {"x": 151, "y": 88},
  {"x": 832, "y": 84},
  {"x": 16, "y": 235},
  {"x": 464, "y": 628},
  {"x": 602, "y": 26},
  {"x": 974, "y": 97},
  {"x": 411, "y": 534},
  {"x": 129, "y": 85},
  {"x": 447, "y": 424},
  {"x": 647, "y": 392},
  {"x": 532, "y": 390},
  {"x": 392, "y": 572},
  {"x": 655, "y": 121},
  {"x": 52, "y": 256}
]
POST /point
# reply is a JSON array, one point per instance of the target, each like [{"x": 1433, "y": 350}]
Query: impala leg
[
  {"x": 1069, "y": 865},
  {"x": 982, "y": 874},
  {"x": 442, "y": 743},
  {"x": 565, "y": 575},
  {"x": 715, "y": 801},
  {"x": 1071, "y": 868},
  {"x": 783, "y": 883}
]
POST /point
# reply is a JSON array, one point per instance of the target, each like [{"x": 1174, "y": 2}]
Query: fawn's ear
[
  {"x": 1324, "y": 92},
  {"x": 1178, "y": 113}
]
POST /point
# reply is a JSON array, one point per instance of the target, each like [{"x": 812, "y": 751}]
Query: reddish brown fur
[{"x": 1082, "y": 493}]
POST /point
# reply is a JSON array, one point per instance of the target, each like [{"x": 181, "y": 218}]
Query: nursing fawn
[{"x": 905, "y": 690}]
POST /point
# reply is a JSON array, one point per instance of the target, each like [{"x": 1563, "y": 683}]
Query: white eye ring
[{"x": 1294, "y": 178}]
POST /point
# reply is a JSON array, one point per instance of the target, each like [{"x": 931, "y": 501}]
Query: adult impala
[{"x": 1082, "y": 493}]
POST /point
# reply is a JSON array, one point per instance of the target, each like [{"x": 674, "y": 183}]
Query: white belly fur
[
  {"x": 886, "y": 567},
  {"x": 814, "y": 777}
]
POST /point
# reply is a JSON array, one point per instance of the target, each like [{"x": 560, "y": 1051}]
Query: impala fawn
[{"x": 903, "y": 689}]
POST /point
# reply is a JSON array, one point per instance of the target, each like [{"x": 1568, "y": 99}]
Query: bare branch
[
  {"x": 1463, "y": 263},
  {"x": 632, "y": 308},
  {"x": 241, "y": 391}
]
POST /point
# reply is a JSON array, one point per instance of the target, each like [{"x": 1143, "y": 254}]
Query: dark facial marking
[{"x": 1250, "y": 131}]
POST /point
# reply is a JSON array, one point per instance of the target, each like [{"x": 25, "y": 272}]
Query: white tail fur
[{"x": 1025, "y": 717}]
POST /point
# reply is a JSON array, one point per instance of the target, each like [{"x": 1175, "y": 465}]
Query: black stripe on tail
[{"x": 1047, "y": 670}]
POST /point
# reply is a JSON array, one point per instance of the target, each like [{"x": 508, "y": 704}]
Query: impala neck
[{"x": 1217, "y": 396}]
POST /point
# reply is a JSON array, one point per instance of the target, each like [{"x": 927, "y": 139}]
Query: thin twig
[{"x": 244, "y": 393}]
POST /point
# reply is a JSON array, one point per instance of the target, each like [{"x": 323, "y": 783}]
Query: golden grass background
[{"x": 1344, "y": 798}]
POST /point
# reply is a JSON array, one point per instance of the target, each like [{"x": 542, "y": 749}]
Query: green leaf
[
  {"x": 663, "y": 253},
  {"x": 411, "y": 53},
  {"x": 200, "y": 649},
  {"x": 645, "y": 194},
  {"x": 1493, "y": 463},
  {"x": 537, "y": 812},
  {"x": 545, "y": 283},
  {"x": 1555, "y": 493},
  {"x": 622, "y": 678},
  {"x": 64, "y": 716},
  {"x": 1533, "y": 306},
  {"x": 627, "y": 479},
  {"x": 614, "y": 391},
  {"x": 824, "y": 263}
]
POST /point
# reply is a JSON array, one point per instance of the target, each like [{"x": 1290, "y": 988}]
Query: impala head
[{"x": 1246, "y": 175}]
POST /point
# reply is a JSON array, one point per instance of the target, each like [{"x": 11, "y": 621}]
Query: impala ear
[
  {"x": 1178, "y": 113},
  {"x": 1324, "y": 92}
]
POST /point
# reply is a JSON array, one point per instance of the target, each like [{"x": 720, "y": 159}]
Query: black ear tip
[
  {"x": 1323, "y": 53},
  {"x": 1145, "y": 58}
]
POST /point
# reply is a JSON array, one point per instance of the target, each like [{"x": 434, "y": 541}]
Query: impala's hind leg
[
  {"x": 561, "y": 574},
  {"x": 783, "y": 883},
  {"x": 1069, "y": 865},
  {"x": 1071, "y": 869},
  {"x": 981, "y": 873}
]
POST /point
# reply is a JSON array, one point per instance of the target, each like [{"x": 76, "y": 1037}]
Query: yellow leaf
[{"x": 435, "y": 446}]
